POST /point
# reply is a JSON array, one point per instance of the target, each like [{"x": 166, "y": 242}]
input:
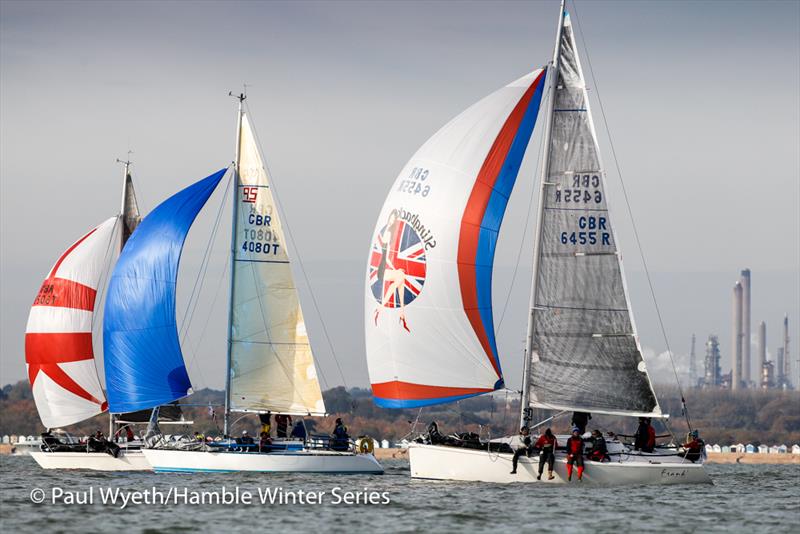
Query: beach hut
[
  {"x": 13, "y": 438},
  {"x": 709, "y": 448},
  {"x": 763, "y": 449},
  {"x": 773, "y": 450},
  {"x": 737, "y": 448},
  {"x": 795, "y": 449},
  {"x": 5, "y": 438},
  {"x": 385, "y": 443},
  {"x": 750, "y": 448},
  {"x": 725, "y": 449},
  {"x": 783, "y": 449}
]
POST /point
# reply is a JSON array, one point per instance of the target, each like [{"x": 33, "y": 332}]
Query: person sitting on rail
[
  {"x": 264, "y": 442},
  {"x": 599, "y": 452},
  {"x": 524, "y": 448},
  {"x": 695, "y": 447},
  {"x": 341, "y": 439},
  {"x": 246, "y": 438},
  {"x": 546, "y": 443}
]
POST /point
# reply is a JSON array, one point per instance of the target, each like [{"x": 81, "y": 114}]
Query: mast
[
  {"x": 122, "y": 239},
  {"x": 525, "y": 412},
  {"x": 234, "y": 217}
]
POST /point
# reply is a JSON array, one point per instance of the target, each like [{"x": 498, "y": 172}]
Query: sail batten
[
  {"x": 585, "y": 353},
  {"x": 272, "y": 365},
  {"x": 144, "y": 365},
  {"x": 428, "y": 299}
]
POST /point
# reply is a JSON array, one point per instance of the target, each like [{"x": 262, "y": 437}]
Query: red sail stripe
[
  {"x": 68, "y": 252},
  {"x": 407, "y": 390},
  {"x": 43, "y": 352},
  {"x": 63, "y": 293},
  {"x": 49, "y": 348},
  {"x": 474, "y": 212}
]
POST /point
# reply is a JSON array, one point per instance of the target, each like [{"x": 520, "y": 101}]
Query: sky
[{"x": 701, "y": 100}]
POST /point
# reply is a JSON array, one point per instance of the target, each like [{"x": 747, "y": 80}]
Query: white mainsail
[
  {"x": 585, "y": 354},
  {"x": 272, "y": 366},
  {"x": 428, "y": 317},
  {"x": 58, "y": 339}
]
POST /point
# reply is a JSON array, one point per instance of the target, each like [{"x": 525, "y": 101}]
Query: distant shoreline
[{"x": 713, "y": 457}]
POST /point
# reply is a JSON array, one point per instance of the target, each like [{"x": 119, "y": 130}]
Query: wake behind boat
[
  {"x": 270, "y": 366},
  {"x": 429, "y": 323}
]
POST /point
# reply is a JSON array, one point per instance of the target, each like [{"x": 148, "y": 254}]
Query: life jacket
[
  {"x": 575, "y": 445},
  {"x": 545, "y": 442}
]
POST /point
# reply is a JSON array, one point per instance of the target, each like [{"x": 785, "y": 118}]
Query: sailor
[
  {"x": 575, "y": 453},
  {"x": 694, "y": 447},
  {"x": 266, "y": 422},
  {"x": 264, "y": 442},
  {"x": 299, "y": 431},
  {"x": 640, "y": 437},
  {"x": 198, "y": 436},
  {"x": 525, "y": 448},
  {"x": 99, "y": 443},
  {"x": 247, "y": 439},
  {"x": 651, "y": 437},
  {"x": 599, "y": 451},
  {"x": 580, "y": 420},
  {"x": 546, "y": 443},
  {"x": 341, "y": 438},
  {"x": 283, "y": 421}
]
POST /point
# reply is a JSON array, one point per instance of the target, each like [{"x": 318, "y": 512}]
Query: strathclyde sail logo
[{"x": 397, "y": 265}]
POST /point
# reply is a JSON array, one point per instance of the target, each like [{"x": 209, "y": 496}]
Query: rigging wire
[
  {"x": 298, "y": 256},
  {"x": 539, "y": 153},
  {"x": 194, "y": 296},
  {"x": 633, "y": 222}
]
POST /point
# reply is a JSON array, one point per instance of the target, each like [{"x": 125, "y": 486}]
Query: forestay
[
  {"x": 58, "y": 338},
  {"x": 272, "y": 366},
  {"x": 144, "y": 366},
  {"x": 428, "y": 316},
  {"x": 586, "y": 354}
]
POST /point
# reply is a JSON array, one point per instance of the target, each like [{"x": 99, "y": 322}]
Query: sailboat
[
  {"x": 270, "y": 365},
  {"x": 59, "y": 349},
  {"x": 429, "y": 323}
]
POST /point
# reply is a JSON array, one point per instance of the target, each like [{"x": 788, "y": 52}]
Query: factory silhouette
[{"x": 768, "y": 374}]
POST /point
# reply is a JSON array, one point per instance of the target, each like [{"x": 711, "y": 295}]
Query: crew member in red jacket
[
  {"x": 651, "y": 436},
  {"x": 547, "y": 443},
  {"x": 575, "y": 453}
]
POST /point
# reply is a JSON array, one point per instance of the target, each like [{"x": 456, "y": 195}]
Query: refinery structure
[{"x": 745, "y": 372}]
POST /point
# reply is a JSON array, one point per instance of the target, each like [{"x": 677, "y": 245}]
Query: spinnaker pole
[
  {"x": 525, "y": 411},
  {"x": 234, "y": 217}
]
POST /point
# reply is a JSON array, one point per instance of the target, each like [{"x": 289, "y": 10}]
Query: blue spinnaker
[{"x": 143, "y": 362}]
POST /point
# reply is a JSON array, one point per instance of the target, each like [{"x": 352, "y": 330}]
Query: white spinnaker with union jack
[
  {"x": 58, "y": 339},
  {"x": 428, "y": 316}
]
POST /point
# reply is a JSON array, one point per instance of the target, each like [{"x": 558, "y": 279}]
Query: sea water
[{"x": 744, "y": 498}]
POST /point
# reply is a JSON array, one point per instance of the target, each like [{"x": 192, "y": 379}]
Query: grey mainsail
[{"x": 585, "y": 354}]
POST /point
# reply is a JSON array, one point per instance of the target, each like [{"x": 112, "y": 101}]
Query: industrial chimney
[
  {"x": 736, "y": 339},
  {"x": 746, "y": 343}
]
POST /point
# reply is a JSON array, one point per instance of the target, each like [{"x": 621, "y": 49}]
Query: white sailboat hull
[
  {"x": 94, "y": 461},
  {"x": 453, "y": 463},
  {"x": 167, "y": 460}
]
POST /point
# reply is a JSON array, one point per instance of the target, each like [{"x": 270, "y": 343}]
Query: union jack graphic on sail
[{"x": 397, "y": 269}]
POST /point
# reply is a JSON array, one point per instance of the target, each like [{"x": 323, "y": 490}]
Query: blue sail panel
[{"x": 144, "y": 366}]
